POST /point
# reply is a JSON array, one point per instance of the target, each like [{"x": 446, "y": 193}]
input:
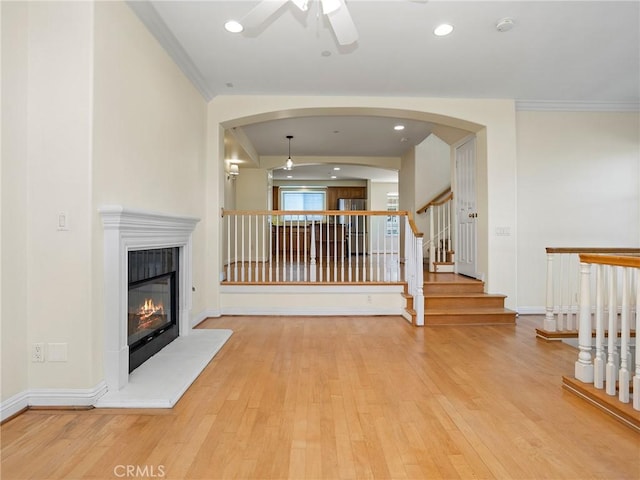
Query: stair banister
[
  {"x": 561, "y": 289},
  {"x": 439, "y": 235},
  {"x": 619, "y": 368}
]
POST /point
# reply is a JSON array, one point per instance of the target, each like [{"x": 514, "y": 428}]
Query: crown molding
[
  {"x": 575, "y": 106},
  {"x": 148, "y": 15}
]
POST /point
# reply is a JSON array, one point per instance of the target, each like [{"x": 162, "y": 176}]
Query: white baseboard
[
  {"x": 311, "y": 311},
  {"x": 52, "y": 397},
  {"x": 13, "y": 405},
  {"x": 202, "y": 316}
]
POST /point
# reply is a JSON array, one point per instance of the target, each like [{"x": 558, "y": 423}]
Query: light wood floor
[{"x": 346, "y": 398}]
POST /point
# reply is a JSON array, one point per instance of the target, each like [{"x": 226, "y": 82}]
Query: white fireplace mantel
[{"x": 127, "y": 230}]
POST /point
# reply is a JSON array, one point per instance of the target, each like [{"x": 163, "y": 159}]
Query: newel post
[
  {"x": 549, "y": 319},
  {"x": 584, "y": 365},
  {"x": 419, "y": 295},
  {"x": 636, "y": 377},
  {"x": 432, "y": 241}
]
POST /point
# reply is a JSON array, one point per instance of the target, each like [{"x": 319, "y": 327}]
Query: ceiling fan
[{"x": 335, "y": 10}]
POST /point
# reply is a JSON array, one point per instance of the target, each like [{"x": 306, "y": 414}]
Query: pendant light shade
[{"x": 289, "y": 163}]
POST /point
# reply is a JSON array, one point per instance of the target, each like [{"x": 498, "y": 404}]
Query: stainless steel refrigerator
[{"x": 355, "y": 226}]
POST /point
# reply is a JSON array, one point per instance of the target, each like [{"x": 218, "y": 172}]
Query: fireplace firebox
[{"x": 152, "y": 302}]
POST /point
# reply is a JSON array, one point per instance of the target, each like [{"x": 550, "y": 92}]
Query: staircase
[{"x": 451, "y": 299}]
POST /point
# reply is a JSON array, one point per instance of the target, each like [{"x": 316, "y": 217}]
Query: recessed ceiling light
[
  {"x": 336, "y": 168},
  {"x": 233, "y": 26},
  {"x": 333, "y": 176},
  {"x": 398, "y": 127},
  {"x": 289, "y": 176},
  {"x": 442, "y": 30}
]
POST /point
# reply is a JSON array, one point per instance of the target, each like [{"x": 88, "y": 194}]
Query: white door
[{"x": 467, "y": 214}]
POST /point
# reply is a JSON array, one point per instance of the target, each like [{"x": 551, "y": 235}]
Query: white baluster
[
  {"x": 349, "y": 247},
  {"x": 242, "y": 249},
  {"x": 561, "y": 284},
  {"x": 291, "y": 257},
  {"x": 611, "y": 371},
  {"x": 343, "y": 252},
  {"x": 312, "y": 253},
  {"x": 297, "y": 249},
  {"x": 335, "y": 248},
  {"x": 384, "y": 227},
  {"x": 304, "y": 250},
  {"x": 573, "y": 273},
  {"x": 328, "y": 252},
  {"x": 623, "y": 376},
  {"x": 549, "y": 319},
  {"x": 584, "y": 365},
  {"x": 599, "y": 361},
  {"x": 432, "y": 241},
  {"x": 636, "y": 377},
  {"x": 228, "y": 248},
  {"x": 277, "y": 252},
  {"x": 235, "y": 249},
  {"x": 266, "y": 243},
  {"x": 250, "y": 235},
  {"x": 419, "y": 296}
]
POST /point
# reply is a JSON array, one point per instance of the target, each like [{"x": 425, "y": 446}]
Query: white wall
[
  {"x": 378, "y": 201},
  {"x": 56, "y": 172},
  {"x": 432, "y": 174},
  {"x": 149, "y": 137},
  {"x": 578, "y": 186},
  {"x": 14, "y": 199},
  {"x": 99, "y": 115}
]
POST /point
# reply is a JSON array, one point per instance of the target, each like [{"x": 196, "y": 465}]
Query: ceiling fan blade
[
  {"x": 261, "y": 12},
  {"x": 343, "y": 26}
]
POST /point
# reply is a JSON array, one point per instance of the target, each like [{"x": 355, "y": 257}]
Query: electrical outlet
[
  {"x": 37, "y": 354},
  {"x": 369, "y": 299}
]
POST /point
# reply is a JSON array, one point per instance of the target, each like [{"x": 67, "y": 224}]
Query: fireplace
[
  {"x": 127, "y": 231},
  {"x": 152, "y": 302}
]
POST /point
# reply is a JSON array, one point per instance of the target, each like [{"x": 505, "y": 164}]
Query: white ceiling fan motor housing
[{"x": 504, "y": 25}]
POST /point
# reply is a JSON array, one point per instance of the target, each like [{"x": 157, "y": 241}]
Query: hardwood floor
[{"x": 345, "y": 398}]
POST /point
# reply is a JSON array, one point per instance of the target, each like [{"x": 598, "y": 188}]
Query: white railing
[
  {"x": 414, "y": 273},
  {"x": 613, "y": 364},
  {"x": 563, "y": 288},
  {"x": 315, "y": 247},
  {"x": 439, "y": 245}
]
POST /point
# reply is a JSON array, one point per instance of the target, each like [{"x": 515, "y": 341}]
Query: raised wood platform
[
  {"x": 452, "y": 299},
  {"x": 623, "y": 412}
]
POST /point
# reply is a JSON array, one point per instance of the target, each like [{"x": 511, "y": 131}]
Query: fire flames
[{"x": 147, "y": 311}]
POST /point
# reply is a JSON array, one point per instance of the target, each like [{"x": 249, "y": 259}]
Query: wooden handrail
[
  {"x": 605, "y": 250},
  {"x": 437, "y": 200},
  {"x": 279, "y": 213},
  {"x": 366, "y": 213},
  {"x": 414, "y": 227},
  {"x": 613, "y": 260}
]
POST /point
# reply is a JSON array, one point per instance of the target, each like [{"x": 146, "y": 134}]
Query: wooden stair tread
[
  {"x": 464, "y": 295},
  {"x": 470, "y": 311}
]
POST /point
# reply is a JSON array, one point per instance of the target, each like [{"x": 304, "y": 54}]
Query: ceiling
[{"x": 557, "y": 52}]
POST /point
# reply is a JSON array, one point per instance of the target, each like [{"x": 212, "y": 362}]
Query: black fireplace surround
[{"x": 152, "y": 319}]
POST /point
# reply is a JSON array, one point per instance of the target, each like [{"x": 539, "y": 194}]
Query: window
[
  {"x": 303, "y": 200},
  {"x": 392, "y": 220}
]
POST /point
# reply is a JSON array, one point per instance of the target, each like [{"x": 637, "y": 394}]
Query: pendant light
[{"x": 289, "y": 164}]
